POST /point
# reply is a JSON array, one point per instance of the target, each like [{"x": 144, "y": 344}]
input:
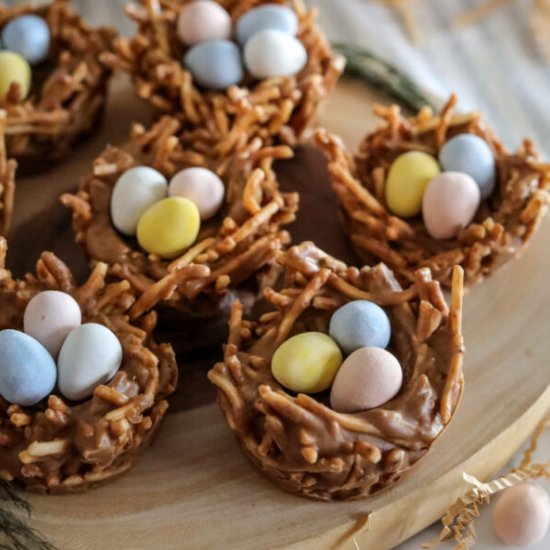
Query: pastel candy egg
[
  {"x": 169, "y": 227},
  {"x": 27, "y": 370},
  {"x": 29, "y": 36},
  {"x": 472, "y": 155},
  {"x": 274, "y": 54},
  {"x": 216, "y": 64},
  {"x": 270, "y": 16},
  {"x": 307, "y": 362},
  {"x": 134, "y": 192},
  {"x": 203, "y": 20},
  {"x": 14, "y": 69},
  {"x": 522, "y": 515},
  {"x": 49, "y": 318},
  {"x": 368, "y": 378},
  {"x": 90, "y": 356},
  {"x": 360, "y": 324},
  {"x": 201, "y": 186},
  {"x": 450, "y": 203},
  {"x": 407, "y": 179}
]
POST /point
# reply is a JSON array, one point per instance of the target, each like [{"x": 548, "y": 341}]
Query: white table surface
[{"x": 493, "y": 66}]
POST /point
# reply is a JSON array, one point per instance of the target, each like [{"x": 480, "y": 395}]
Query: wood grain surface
[{"x": 194, "y": 489}]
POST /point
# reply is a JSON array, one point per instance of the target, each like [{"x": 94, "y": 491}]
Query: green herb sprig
[
  {"x": 381, "y": 75},
  {"x": 15, "y": 532}
]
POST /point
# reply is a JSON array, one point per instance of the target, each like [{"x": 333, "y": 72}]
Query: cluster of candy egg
[
  {"x": 25, "y": 42},
  {"x": 166, "y": 218},
  {"x": 87, "y": 355},
  {"x": 266, "y": 34},
  {"x": 448, "y": 199},
  {"x": 312, "y": 362}
]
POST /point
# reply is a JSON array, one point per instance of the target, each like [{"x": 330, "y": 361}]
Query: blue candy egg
[
  {"x": 472, "y": 155},
  {"x": 360, "y": 324},
  {"x": 271, "y": 17},
  {"x": 215, "y": 64},
  {"x": 29, "y": 36},
  {"x": 27, "y": 371}
]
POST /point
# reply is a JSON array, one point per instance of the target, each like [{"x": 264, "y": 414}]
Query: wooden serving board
[{"x": 195, "y": 490}]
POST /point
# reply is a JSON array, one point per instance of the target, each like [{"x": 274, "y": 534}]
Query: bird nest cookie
[
  {"x": 233, "y": 251},
  {"x": 300, "y": 441},
  {"x": 60, "y": 446},
  {"x": 514, "y": 198},
  {"x": 277, "y": 108},
  {"x": 68, "y": 87}
]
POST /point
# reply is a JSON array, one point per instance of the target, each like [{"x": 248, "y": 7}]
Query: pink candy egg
[
  {"x": 49, "y": 318},
  {"x": 368, "y": 378},
  {"x": 522, "y": 514},
  {"x": 203, "y": 20},
  {"x": 201, "y": 186},
  {"x": 450, "y": 203}
]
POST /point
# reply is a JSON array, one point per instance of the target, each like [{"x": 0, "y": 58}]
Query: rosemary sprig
[
  {"x": 15, "y": 532},
  {"x": 384, "y": 76}
]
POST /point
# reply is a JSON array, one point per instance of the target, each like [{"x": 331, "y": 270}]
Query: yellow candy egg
[
  {"x": 407, "y": 179},
  {"x": 307, "y": 363},
  {"x": 169, "y": 227},
  {"x": 14, "y": 69}
]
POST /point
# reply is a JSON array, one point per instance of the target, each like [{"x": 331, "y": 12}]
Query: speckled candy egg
[
  {"x": 522, "y": 515},
  {"x": 274, "y": 54},
  {"x": 90, "y": 356},
  {"x": 49, "y": 318},
  {"x": 203, "y": 20},
  {"x": 169, "y": 227},
  {"x": 270, "y": 16},
  {"x": 307, "y": 362},
  {"x": 450, "y": 203},
  {"x": 360, "y": 324},
  {"x": 27, "y": 370},
  {"x": 29, "y": 36},
  {"x": 368, "y": 378},
  {"x": 134, "y": 192},
  {"x": 14, "y": 69},
  {"x": 407, "y": 180},
  {"x": 216, "y": 64},
  {"x": 201, "y": 186},
  {"x": 471, "y": 155}
]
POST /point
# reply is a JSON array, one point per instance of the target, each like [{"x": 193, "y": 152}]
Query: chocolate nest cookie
[
  {"x": 68, "y": 90},
  {"x": 503, "y": 224},
  {"x": 234, "y": 251},
  {"x": 273, "y": 108},
  {"x": 59, "y": 446},
  {"x": 299, "y": 441}
]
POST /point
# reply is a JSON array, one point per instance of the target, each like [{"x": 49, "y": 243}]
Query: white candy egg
[
  {"x": 134, "y": 192},
  {"x": 90, "y": 356},
  {"x": 271, "y": 54}
]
